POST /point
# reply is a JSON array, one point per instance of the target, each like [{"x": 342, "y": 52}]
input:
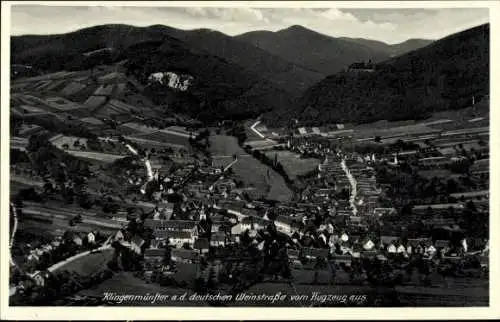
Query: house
[
  {"x": 391, "y": 249},
  {"x": 155, "y": 244},
  {"x": 172, "y": 225},
  {"x": 154, "y": 256},
  {"x": 119, "y": 235},
  {"x": 438, "y": 208},
  {"x": 39, "y": 277},
  {"x": 440, "y": 244},
  {"x": 160, "y": 235},
  {"x": 218, "y": 239},
  {"x": 387, "y": 240},
  {"x": 185, "y": 255},
  {"x": 179, "y": 238},
  {"x": 472, "y": 195},
  {"x": 368, "y": 245},
  {"x": 341, "y": 259},
  {"x": 202, "y": 245},
  {"x": 286, "y": 225},
  {"x": 431, "y": 250},
  {"x": 77, "y": 240},
  {"x": 136, "y": 243},
  {"x": 249, "y": 223},
  {"x": 435, "y": 161},
  {"x": 313, "y": 253},
  {"x": 166, "y": 210},
  {"x": 383, "y": 211},
  {"x": 218, "y": 226},
  {"x": 369, "y": 254},
  {"x": 293, "y": 254},
  {"x": 91, "y": 238}
]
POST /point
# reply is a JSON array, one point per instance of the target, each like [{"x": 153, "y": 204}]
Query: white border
[{"x": 170, "y": 313}]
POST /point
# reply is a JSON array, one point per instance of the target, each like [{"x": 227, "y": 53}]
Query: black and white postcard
[{"x": 197, "y": 158}]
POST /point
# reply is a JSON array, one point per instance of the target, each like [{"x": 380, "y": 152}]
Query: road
[
  {"x": 352, "y": 182},
  {"x": 12, "y": 237},
  {"x": 106, "y": 247},
  {"x": 255, "y": 130}
]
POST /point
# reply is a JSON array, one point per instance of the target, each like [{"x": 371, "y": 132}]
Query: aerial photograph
[{"x": 248, "y": 157}]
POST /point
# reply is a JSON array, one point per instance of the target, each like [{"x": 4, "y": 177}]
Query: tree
[{"x": 167, "y": 257}]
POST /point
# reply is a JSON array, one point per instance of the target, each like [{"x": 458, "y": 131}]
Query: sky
[{"x": 388, "y": 25}]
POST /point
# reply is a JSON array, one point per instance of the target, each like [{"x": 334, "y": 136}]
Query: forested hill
[
  {"x": 441, "y": 76},
  {"x": 219, "y": 90}
]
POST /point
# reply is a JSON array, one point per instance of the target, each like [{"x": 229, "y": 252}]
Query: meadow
[
  {"x": 251, "y": 171},
  {"x": 292, "y": 163}
]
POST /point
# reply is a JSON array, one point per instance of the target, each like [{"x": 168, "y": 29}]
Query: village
[
  {"x": 181, "y": 216},
  {"x": 109, "y": 188}
]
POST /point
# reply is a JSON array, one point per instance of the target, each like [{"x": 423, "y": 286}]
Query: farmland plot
[
  {"x": 161, "y": 136},
  {"x": 104, "y": 90},
  {"x": 72, "y": 88},
  {"x": 61, "y": 104},
  {"x": 60, "y": 141},
  {"x": 154, "y": 143},
  {"x": 90, "y": 264},
  {"x": 292, "y": 163},
  {"x": 251, "y": 171},
  {"x": 96, "y": 156}
]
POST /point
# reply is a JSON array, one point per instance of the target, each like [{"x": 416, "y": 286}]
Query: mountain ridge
[
  {"x": 330, "y": 54},
  {"x": 441, "y": 76}
]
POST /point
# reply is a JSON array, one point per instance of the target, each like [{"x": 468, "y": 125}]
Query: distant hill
[
  {"x": 280, "y": 72},
  {"x": 441, "y": 76},
  {"x": 314, "y": 51},
  {"x": 392, "y": 50},
  {"x": 221, "y": 89}
]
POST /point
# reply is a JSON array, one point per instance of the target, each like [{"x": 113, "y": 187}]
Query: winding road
[
  {"x": 353, "y": 183},
  {"x": 12, "y": 237},
  {"x": 106, "y": 246},
  {"x": 255, "y": 130}
]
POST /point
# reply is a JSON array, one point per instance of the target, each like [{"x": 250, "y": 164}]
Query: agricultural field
[
  {"x": 57, "y": 218},
  {"x": 385, "y": 130},
  {"x": 146, "y": 143},
  {"x": 63, "y": 142},
  {"x": 249, "y": 170},
  {"x": 292, "y": 163},
  {"x": 182, "y": 131},
  {"x": 17, "y": 184},
  {"x": 165, "y": 137},
  {"x": 18, "y": 143},
  {"x": 96, "y": 156},
  {"x": 261, "y": 144},
  {"x": 94, "y": 102},
  {"x": 61, "y": 104},
  {"x": 134, "y": 128},
  {"x": 72, "y": 89},
  {"x": 114, "y": 107},
  {"x": 90, "y": 264},
  {"x": 92, "y": 121},
  {"x": 26, "y": 109},
  {"x": 105, "y": 90},
  {"x": 222, "y": 145}
]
